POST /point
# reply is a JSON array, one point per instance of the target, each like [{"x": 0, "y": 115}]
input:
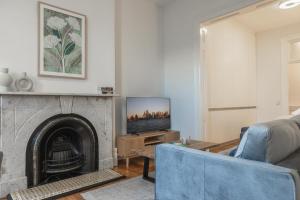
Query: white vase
[
  {"x": 24, "y": 83},
  {"x": 5, "y": 79}
]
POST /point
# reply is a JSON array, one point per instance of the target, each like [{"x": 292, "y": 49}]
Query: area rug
[
  {"x": 131, "y": 189},
  {"x": 67, "y": 186}
]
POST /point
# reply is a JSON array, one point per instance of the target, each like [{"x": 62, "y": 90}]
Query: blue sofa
[{"x": 264, "y": 167}]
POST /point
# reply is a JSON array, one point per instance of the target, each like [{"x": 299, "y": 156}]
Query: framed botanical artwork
[{"x": 62, "y": 42}]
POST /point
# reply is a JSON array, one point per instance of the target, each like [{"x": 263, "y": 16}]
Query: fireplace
[
  {"x": 49, "y": 137},
  {"x": 63, "y": 146}
]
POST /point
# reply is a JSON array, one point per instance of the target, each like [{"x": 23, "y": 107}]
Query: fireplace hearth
[{"x": 61, "y": 147}]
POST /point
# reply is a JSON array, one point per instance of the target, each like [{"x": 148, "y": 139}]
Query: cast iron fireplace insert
[{"x": 63, "y": 146}]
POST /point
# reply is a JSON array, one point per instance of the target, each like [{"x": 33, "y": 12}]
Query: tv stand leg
[{"x": 127, "y": 162}]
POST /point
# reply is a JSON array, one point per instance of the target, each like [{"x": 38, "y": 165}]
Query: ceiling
[{"x": 269, "y": 17}]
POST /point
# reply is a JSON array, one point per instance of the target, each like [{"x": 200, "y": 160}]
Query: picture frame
[{"x": 62, "y": 43}]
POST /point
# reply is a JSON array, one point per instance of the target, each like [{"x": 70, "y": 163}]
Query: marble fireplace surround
[{"x": 21, "y": 113}]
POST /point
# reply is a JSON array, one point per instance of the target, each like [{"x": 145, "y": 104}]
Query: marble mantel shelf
[{"x": 57, "y": 94}]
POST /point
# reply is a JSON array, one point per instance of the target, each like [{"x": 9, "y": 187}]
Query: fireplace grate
[
  {"x": 64, "y": 165},
  {"x": 63, "y": 157}
]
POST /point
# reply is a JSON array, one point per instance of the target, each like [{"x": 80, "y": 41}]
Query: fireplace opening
[
  {"x": 63, "y": 154},
  {"x": 63, "y": 146}
]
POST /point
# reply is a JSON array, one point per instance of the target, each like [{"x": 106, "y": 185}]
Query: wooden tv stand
[{"x": 130, "y": 145}]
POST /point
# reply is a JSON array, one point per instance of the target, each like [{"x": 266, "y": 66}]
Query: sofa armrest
[{"x": 187, "y": 174}]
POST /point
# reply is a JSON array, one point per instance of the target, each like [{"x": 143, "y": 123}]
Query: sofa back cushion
[
  {"x": 296, "y": 119},
  {"x": 292, "y": 161},
  {"x": 270, "y": 142}
]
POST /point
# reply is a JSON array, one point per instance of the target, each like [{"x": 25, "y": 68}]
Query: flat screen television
[{"x": 146, "y": 114}]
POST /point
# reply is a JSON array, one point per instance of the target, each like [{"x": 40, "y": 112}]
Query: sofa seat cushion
[
  {"x": 292, "y": 161},
  {"x": 270, "y": 142}
]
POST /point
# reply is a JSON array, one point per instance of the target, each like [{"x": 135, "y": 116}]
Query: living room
[{"x": 139, "y": 100}]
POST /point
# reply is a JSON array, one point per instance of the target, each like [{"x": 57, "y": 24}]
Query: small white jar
[
  {"x": 5, "y": 80},
  {"x": 24, "y": 83}
]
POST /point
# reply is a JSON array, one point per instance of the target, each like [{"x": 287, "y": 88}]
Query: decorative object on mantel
[
  {"x": 107, "y": 90},
  {"x": 5, "y": 79},
  {"x": 62, "y": 42},
  {"x": 24, "y": 83}
]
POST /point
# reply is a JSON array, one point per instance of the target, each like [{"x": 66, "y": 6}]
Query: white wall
[
  {"x": 272, "y": 99},
  {"x": 230, "y": 65},
  {"x": 138, "y": 46},
  {"x": 295, "y": 51},
  {"x": 19, "y": 43},
  {"x": 139, "y": 41},
  {"x": 139, "y": 57},
  {"x": 182, "y": 58}
]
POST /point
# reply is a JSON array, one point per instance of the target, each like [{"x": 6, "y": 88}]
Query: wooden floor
[{"x": 136, "y": 168}]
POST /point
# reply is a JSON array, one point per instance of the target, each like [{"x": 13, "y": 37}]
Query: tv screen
[{"x": 148, "y": 114}]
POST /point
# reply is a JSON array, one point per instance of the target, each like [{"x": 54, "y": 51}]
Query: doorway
[{"x": 243, "y": 78}]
